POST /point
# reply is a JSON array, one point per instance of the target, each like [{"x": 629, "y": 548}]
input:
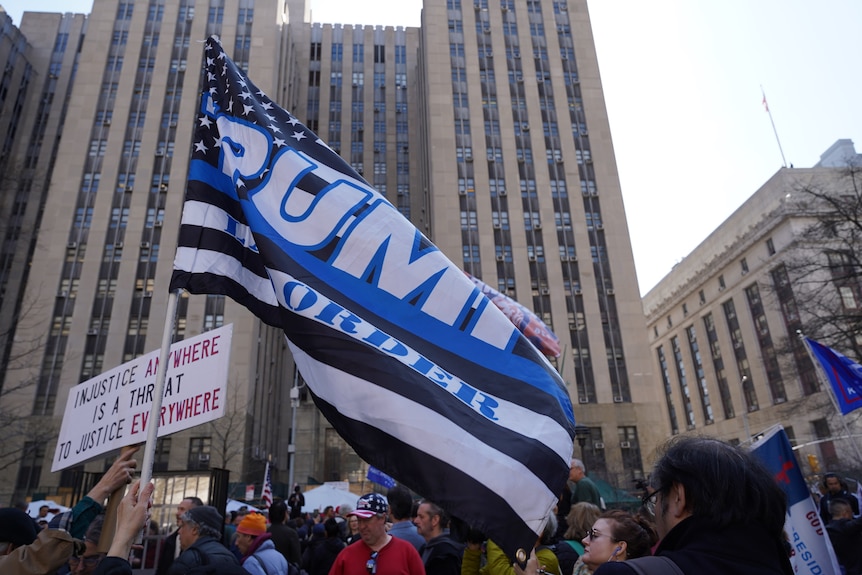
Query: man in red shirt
[{"x": 377, "y": 552}]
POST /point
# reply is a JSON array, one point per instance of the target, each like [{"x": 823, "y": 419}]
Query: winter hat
[
  {"x": 16, "y": 527},
  {"x": 207, "y": 515},
  {"x": 252, "y": 524},
  {"x": 370, "y": 505}
]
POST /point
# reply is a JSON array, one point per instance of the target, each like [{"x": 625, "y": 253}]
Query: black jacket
[
  {"x": 286, "y": 540},
  {"x": 320, "y": 555},
  {"x": 843, "y": 495},
  {"x": 442, "y": 556},
  {"x": 699, "y": 548},
  {"x": 846, "y": 538},
  {"x": 216, "y": 554}
]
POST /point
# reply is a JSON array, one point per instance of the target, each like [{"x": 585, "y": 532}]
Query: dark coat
[
  {"x": 216, "y": 554},
  {"x": 846, "y": 538},
  {"x": 843, "y": 495},
  {"x": 699, "y": 548},
  {"x": 321, "y": 554},
  {"x": 442, "y": 556},
  {"x": 286, "y": 540}
]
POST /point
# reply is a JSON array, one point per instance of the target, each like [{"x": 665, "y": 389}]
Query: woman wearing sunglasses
[{"x": 617, "y": 536}]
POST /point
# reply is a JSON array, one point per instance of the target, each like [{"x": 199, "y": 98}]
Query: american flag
[
  {"x": 266, "y": 492},
  {"x": 403, "y": 354}
]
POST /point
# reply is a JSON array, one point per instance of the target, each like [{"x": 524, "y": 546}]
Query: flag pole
[
  {"x": 825, "y": 381},
  {"x": 159, "y": 390},
  {"x": 774, "y": 131}
]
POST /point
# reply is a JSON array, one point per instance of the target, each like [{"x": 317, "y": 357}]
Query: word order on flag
[
  {"x": 844, "y": 375},
  {"x": 811, "y": 550},
  {"x": 112, "y": 410},
  {"x": 410, "y": 363}
]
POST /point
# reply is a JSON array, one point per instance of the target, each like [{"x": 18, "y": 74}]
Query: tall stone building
[
  {"x": 723, "y": 323},
  {"x": 486, "y": 127}
]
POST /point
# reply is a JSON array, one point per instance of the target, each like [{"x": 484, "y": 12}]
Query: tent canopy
[{"x": 319, "y": 497}]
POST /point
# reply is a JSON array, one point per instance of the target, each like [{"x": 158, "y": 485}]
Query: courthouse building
[
  {"x": 723, "y": 323},
  {"x": 486, "y": 127}
]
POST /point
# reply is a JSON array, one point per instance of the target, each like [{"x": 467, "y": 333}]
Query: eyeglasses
[
  {"x": 371, "y": 564},
  {"x": 593, "y": 534},
  {"x": 89, "y": 562},
  {"x": 648, "y": 501}
]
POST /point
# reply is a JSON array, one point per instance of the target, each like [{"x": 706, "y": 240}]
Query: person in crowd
[
  {"x": 132, "y": 514},
  {"x": 717, "y": 510},
  {"x": 377, "y": 551},
  {"x": 322, "y": 551},
  {"x": 341, "y": 516},
  {"x": 579, "y": 520},
  {"x": 585, "y": 490},
  {"x": 86, "y": 562},
  {"x": 400, "y": 511},
  {"x": 170, "y": 547},
  {"x": 353, "y": 529},
  {"x": 835, "y": 490},
  {"x": 284, "y": 536},
  {"x": 617, "y": 535},
  {"x": 296, "y": 502},
  {"x": 229, "y": 528},
  {"x": 845, "y": 533},
  {"x": 441, "y": 554},
  {"x": 24, "y": 552},
  {"x": 496, "y": 561},
  {"x": 200, "y": 534},
  {"x": 259, "y": 555}
]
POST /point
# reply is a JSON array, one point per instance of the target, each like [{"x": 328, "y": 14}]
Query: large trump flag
[{"x": 402, "y": 353}]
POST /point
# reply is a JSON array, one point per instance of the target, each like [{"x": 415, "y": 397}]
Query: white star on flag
[
  {"x": 267, "y": 105},
  {"x": 246, "y": 108},
  {"x": 205, "y": 121},
  {"x": 293, "y": 121},
  {"x": 245, "y": 95},
  {"x": 274, "y": 128},
  {"x": 279, "y": 142},
  {"x": 298, "y": 135},
  {"x": 200, "y": 147}
]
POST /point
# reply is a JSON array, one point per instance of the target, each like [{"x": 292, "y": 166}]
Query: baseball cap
[{"x": 370, "y": 505}]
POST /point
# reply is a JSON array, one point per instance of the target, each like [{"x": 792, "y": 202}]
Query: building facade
[
  {"x": 724, "y": 324},
  {"x": 527, "y": 200}
]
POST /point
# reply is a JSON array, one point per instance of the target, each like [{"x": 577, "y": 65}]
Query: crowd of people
[{"x": 709, "y": 507}]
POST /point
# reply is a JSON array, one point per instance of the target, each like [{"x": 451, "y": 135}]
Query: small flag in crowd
[
  {"x": 844, "y": 375},
  {"x": 379, "y": 477},
  {"x": 812, "y": 550},
  {"x": 403, "y": 354},
  {"x": 266, "y": 492},
  {"x": 525, "y": 320}
]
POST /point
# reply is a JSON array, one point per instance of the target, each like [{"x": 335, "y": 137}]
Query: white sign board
[{"x": 111, "y": 410}]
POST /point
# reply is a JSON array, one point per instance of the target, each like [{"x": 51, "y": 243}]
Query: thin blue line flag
[
  {"x": 402, "y": 353},
  {"x": 844, "y": 375}
]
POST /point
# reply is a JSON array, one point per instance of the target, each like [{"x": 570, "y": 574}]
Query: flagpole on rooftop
[
  {"x": 825, "y": 382},
  {"x": 771, "y": 121},
  {"x": 159, "y": 390}
]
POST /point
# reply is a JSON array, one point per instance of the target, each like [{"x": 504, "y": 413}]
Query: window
[
  {"x": 770, "y": 246},
  {"x": 701, "y": 297},
  {"x": 721, "y": 284},
  {"x": 848, "y": 297},
  {"x": 199, "y": 453},
  {"x": 743, "y": 264}
]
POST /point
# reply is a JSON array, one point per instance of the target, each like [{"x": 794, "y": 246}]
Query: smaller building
[{"x": 723, "y": 323}]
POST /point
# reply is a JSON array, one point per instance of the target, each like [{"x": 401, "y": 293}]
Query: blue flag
[
  {"x": 379, "y": 477},
  {"x": 403, "y": 354},
  {"x": 844, "y": 374},
  {"x": 811, "y": 550}
]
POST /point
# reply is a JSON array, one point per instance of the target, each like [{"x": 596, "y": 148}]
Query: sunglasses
[
  {"x": 371, "y": 564},
  {"x": 593, "y": 534}
]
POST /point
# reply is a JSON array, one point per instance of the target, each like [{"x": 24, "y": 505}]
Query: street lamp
[{"x": 582, "y": 433}]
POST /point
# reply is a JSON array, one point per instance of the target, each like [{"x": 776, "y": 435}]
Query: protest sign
[{"x": 112, "y": 409}]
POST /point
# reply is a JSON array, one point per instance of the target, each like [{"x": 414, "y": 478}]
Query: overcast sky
[{"x": 682, "y": 82}]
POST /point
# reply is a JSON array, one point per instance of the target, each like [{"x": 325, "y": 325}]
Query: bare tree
[{"x": 228, "y": 431}]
